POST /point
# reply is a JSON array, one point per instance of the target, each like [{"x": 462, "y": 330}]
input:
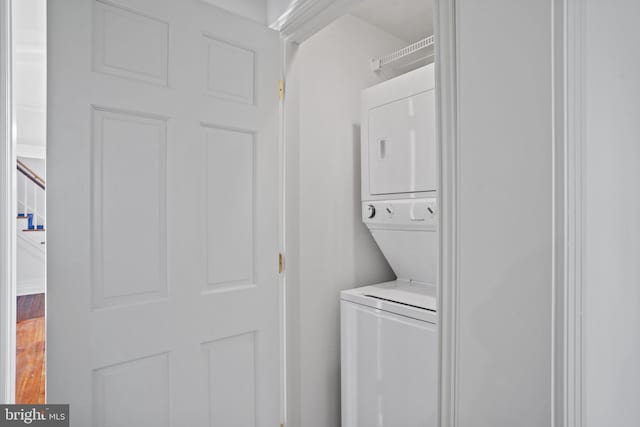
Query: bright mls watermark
[{"x": 34, "y": 415}]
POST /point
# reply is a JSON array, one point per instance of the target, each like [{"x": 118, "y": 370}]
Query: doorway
[
  {"x": 28, "y": 84},
  {"x": 329, "y": 248}
]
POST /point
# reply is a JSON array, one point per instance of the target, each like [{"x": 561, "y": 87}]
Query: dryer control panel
[{"x": 412, "y": 213}]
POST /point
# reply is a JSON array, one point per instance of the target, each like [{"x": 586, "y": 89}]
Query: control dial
[{"x": 371, "y": 211}]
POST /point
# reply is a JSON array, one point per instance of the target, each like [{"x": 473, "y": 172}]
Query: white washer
[
  {"x": 389, "y": 340},
  {"x": 389, "y": 335}
]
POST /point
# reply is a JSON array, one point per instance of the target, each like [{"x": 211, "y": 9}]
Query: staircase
[{"x": 30, "y": 224}]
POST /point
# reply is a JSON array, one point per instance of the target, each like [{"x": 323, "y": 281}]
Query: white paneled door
[{"x": 163, "y": 305}]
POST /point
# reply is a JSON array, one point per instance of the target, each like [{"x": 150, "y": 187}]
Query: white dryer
[{"x": 389, "y": 336}]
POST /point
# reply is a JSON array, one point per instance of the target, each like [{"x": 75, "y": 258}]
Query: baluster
[
  {"x": 43, "y": 208},
  {"x": 24, "y": 197},
  {"x": 35, "y": 206}
]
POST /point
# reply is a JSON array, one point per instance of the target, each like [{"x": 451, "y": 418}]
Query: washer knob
[{"x": 371, "y": 211}]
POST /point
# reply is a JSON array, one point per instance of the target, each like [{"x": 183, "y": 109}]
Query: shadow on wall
[{"x": 361, "y": 234}]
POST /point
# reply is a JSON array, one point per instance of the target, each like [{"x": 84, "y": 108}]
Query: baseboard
[{"x": 30, "y": 288}]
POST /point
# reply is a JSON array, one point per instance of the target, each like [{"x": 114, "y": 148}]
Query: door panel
[
  {"x": 163, "y": 215},
  {"x": 229, "y": 161}
]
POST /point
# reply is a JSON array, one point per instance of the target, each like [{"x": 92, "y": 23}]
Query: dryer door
[
  {"x": 402, "y": 148},
  {"x": 389, "y": 369}
]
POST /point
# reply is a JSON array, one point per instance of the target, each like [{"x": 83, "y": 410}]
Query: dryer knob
[{"x": 371, "y": 211}]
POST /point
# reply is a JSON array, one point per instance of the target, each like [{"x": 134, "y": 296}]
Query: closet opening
[{"x": 361, "y": 209}]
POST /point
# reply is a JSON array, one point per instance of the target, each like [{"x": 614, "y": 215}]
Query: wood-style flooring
[
  {"x": 30, "y": 346},
  {"x": 30, "y": 307}
]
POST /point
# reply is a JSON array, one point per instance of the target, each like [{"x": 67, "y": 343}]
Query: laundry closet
[{"x": 361, "y": 220}]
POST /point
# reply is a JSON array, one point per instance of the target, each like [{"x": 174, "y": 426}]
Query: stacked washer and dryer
[{"x": 389, "y": 335}]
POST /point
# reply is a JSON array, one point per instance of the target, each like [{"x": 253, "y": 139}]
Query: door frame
[
  {"x": 7, "y": 213},
  {"x": 447, "y": 103},
  {"x": 302, "y": 21},
  {"x": 568, "y": 147}
]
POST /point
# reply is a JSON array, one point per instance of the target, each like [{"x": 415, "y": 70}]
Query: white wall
[
  {"x": 505, "y": 213},
  {"x": 328, "y": 247},
  {"x": 255, "y": 10},
  {"x": 612, "y": 215},
  {"x": 30, "y": 76},
  {"x": 30, "y": 266}
]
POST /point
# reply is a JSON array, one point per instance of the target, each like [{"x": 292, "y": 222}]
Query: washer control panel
[{"x": 408, "y": 212}]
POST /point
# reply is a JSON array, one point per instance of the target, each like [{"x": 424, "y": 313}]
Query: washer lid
[
  {"x": 400, "y": 297},
  {"x": 404, "y": 296}
]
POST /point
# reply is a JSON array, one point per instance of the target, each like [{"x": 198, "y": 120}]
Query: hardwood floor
[
  {"x": 30, "y": 306},
  {"x": 30, "y": 350}
]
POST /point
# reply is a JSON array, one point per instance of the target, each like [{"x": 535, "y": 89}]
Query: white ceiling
[{"x": 409, "y": 20}]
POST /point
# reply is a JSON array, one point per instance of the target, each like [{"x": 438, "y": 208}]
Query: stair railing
[{"x": 28, "y": 206}]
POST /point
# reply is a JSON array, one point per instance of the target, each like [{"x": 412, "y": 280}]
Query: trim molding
[
  {"x": 306, "y": 17},
  {"x": 447, "y": 131},
  {"x": 30, "y": 288},
  {"x": 571, "y": 326},
  {"x": 292, "y": 16},
  {"x": 7, "y": 215}
]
